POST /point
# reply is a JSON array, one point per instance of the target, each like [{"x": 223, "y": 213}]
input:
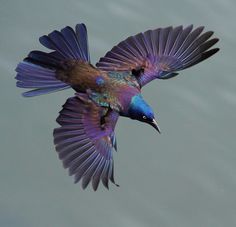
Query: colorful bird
[{"x": 86, "y": 139}]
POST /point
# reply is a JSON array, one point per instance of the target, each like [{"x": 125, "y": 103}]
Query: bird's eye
[{"x": 144, "y": 117}]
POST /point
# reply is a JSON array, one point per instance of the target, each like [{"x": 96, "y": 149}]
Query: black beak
[{"x": 155, "y": 125}]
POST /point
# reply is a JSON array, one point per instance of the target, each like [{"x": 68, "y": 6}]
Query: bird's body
[
  {"x": 85, "y": 139},
  {"x": 107, "y": 89}
]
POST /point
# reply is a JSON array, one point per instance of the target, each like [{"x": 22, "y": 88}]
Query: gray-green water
[{"x": 184, "y": 177}]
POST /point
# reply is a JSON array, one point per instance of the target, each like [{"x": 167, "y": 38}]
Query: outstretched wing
[
  {"x": 160, "y": 53},
  {"x": 85, "y": 140}
]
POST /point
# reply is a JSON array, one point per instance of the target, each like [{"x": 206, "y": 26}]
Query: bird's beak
[{"x": 155, "y": 125}]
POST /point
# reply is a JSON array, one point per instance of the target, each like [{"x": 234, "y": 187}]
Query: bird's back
[{"x": 82, "y": 76}]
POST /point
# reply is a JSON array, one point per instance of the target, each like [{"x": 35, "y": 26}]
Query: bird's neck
[{"x": 129, "y": 105}]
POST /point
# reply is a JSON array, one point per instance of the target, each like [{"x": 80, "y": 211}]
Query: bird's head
[{"x": 141, "y": 111}]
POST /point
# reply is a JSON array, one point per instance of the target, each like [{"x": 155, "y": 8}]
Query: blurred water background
[{"x": 185, "y": 177}]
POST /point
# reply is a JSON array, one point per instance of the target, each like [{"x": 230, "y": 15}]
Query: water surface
[{"x": 184, "y": 177}]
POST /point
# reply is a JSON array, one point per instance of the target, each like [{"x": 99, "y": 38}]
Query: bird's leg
[
  {"x": 102, "y": 122},
  {"x": 105, "y": 113}
]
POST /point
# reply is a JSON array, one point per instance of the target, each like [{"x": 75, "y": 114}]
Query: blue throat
[{"x": 138, "y": 107}]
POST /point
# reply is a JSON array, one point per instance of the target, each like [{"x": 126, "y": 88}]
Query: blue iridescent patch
[
  {"x": 99, "y": 98},
  {"x": 138, "y": 107},
  {"x": 100, "y": 81}
]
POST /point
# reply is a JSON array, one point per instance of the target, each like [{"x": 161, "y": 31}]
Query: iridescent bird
[{"x": 86, "y": 139}]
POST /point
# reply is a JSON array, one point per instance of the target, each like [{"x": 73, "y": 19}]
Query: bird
[{"x": 85, "y": 139}]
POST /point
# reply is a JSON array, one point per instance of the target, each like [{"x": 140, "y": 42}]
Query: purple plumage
[
  {"x": 86, "y": 139},
  {"x": 82, "y": 144},
  {"x": 39, "y": 69},
  {"x": 160, "y": 52}
]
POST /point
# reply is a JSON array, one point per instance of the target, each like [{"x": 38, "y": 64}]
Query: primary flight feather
[{"x": 86, "y": 139}]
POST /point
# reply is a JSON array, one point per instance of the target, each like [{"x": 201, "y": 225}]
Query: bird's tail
[{"x": 38, "y": 70}]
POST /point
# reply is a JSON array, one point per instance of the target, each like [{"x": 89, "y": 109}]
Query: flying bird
[{"x": 86, "y": 139}]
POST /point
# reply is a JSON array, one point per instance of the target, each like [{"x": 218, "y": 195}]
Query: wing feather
[
  {"x": 83, "y": 145},
  {"x": 160, "y": 53}
]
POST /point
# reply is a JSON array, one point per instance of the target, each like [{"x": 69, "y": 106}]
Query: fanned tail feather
[
  {"x": 42, "y": 79},
  {"x": 38, "y": 70}
]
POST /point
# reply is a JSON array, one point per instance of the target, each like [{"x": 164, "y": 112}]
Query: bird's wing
[
  {"x": 86, "y": 139},
  {"x": 160, "y": 53}
]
